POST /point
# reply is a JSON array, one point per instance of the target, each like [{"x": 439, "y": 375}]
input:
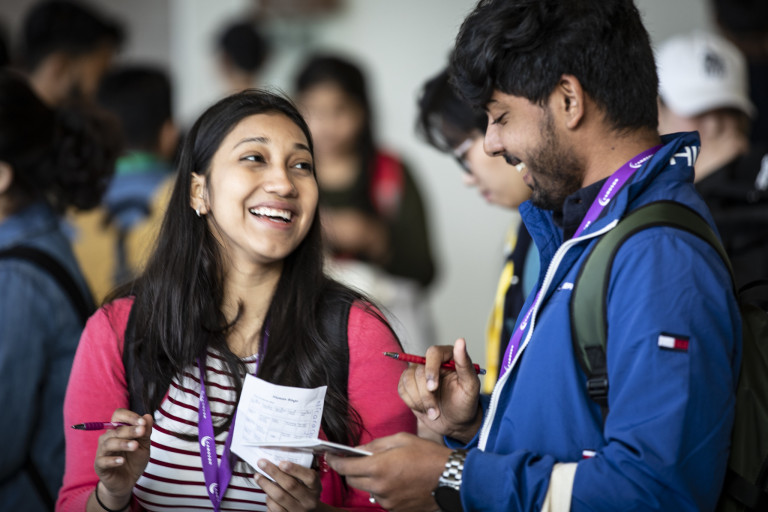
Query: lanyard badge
[{"x": 217, "y": 476}]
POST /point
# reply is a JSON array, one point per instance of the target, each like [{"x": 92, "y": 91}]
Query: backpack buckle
[{"x": 597, "y": 387}]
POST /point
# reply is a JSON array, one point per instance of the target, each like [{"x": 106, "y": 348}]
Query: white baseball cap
[{"x": 700, "y": 72}]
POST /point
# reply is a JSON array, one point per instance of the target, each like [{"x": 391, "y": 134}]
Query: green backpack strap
[{"x": 588, "y": 300}]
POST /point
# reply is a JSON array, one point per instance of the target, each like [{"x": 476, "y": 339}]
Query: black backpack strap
[
  {"x": 83, "y": 304},
  {"x": 81, "y": 300},
  {"x": 588, "y": 301},
  {"x": 39, "y": 484},
  {"x": 750, "y": 497},
  {"x": 133, "y": 377},
  {"x": 335, "y": 322}
]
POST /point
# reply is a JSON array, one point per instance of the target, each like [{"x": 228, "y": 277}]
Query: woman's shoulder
[
  {"x": 369, "y": 330},
  {"x": 113, "y": 314}
]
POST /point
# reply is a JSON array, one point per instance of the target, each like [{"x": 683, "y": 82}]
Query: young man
[
  {"x": 703, "y": 86},
  {"x": 570, "y": 90},
  {"x": 66, "y": 48},
  {"x": 452, "y": 126}
]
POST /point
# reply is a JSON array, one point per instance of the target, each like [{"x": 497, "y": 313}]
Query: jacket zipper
[{"x": 548, "y": 277}]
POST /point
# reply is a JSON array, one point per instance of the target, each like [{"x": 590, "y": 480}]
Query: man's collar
[{"x": 575, "y": 207}]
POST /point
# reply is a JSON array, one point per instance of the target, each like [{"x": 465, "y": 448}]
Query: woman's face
[
  {"x": 260, "y": 195},
  {"x": 498, "y": 182},
  {"x": 335, "y": 119}
]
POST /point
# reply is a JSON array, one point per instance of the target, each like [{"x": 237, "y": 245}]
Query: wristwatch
[{"x": 449, "y": 486}]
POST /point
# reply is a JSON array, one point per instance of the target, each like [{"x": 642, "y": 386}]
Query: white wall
[{"x": 402, "y": 42}]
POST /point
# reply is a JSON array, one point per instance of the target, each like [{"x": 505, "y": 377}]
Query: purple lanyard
[
  {"x": 608, "y": 191},
  {"x": 217, "y": 476}
]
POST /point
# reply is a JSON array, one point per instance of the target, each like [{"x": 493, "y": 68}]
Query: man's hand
[
  {"x": 445, "y": 401},
  {"x": 400, "y": 475}
]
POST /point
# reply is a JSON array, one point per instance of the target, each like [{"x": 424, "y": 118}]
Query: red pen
[
  {"x": 99, "y": 425},
  {"x": 410, "y": 358}
]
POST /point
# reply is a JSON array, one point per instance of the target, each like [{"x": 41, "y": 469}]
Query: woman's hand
[
  {"x": 295, "y": 487},
  {"x": 121, "y": 457}
]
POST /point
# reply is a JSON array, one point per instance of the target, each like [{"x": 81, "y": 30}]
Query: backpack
[
  {"x": 746, "y": 481},
  {"x": 84, "y": 306}
]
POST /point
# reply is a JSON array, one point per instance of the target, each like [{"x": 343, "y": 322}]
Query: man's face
[{"x": 525, "y": 135}]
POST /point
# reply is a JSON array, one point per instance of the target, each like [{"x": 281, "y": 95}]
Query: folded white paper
[{"x": 280, "y": 423}]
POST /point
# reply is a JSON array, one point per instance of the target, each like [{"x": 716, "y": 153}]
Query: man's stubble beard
[{"x": 556, "y": 172}]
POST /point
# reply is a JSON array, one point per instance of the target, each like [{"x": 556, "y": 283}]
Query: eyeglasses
[{"x": 460, "y": 153}]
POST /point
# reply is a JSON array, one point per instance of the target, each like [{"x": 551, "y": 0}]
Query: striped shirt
[{"x": 174, "y": 477}]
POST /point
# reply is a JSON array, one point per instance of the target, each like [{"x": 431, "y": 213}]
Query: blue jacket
[
  {"x": 39, "y": 332},
  {"x": 665, "y": 441}
]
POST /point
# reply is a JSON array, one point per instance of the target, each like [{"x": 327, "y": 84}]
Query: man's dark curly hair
[{"x": 523, "y": 47}]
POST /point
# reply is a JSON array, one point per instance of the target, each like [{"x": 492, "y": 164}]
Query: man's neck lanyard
[
  {"x": 217, "y": 476},
  {"x": 608, "y": 191}
]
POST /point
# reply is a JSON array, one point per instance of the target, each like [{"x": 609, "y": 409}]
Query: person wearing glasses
[
  {"x": 375, "y": 220},
  {"x": 451, "y": 125}
]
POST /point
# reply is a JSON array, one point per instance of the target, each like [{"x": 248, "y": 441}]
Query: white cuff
[{"x": 558, "y": 498}]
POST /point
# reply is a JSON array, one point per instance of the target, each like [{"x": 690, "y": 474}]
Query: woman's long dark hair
[
  {"x": 178, "y": 298},
  {"x": 349, "y": 77}
]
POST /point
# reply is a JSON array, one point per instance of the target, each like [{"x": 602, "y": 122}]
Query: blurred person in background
[
  {"x": 449, "y": 124},
  {"x": 745, "y": 24},
  {"x": 373, "y": 215},
  {"x": 141, "y": 99},
  {"x": 49, "y": 160},
  {"x": 242, "y": 52},
  {"x": 703, "y": 86},
  {"x": 66, "y": 48}
]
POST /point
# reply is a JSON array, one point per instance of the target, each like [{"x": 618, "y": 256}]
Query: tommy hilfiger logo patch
[{"x": 673, "y": 342}]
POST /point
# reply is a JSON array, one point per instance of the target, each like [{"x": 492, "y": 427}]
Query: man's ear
[
  {"x": 569, "y": 101},
  {"x": 198, "y": 194},
  {"x": 6, "y": 177}
]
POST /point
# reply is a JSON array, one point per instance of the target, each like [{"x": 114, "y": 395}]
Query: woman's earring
[{"x": 197, "y": 211}]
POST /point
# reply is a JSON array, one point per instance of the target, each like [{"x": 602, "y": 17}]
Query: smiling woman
[
  {"x": 235, "y": 285},
  {"x": 260, "y": 196}
]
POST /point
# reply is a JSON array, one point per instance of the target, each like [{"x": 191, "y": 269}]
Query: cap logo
[{"x": 714, "y": 65}]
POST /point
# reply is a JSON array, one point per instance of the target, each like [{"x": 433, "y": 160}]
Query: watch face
[{"x": 448, "y": 499}]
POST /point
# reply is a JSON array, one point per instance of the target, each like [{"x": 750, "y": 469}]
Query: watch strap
[{"x": 454, "y": 468}]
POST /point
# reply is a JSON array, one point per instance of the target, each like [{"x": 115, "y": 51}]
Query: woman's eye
[
  {"x": 307, "y": 166},
  {"x": 254, "y": 158},
  {"x": 500, "y": 119}
]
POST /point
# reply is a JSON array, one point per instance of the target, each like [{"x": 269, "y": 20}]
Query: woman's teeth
[{"x": 272, "y": 213}]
